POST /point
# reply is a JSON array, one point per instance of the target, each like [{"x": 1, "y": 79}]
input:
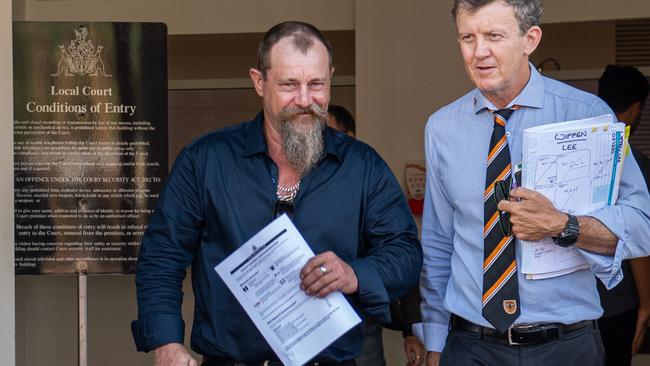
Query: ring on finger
[{"x": 323, "y": 269}]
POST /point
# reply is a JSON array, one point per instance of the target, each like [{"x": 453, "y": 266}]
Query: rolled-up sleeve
[
  {"x": 167, "y": 250},
  {"x": 393, "y": 255},
  {"x": 437, "y": 244},
  {"x": 629, "y": 221}
]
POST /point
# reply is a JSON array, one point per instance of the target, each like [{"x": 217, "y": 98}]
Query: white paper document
[
  {"x": 577, "y": 165},
  {"x": 264, "y": 276}
]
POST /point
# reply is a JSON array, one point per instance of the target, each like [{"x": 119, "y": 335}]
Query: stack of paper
[{"x": 577, "y": 165}]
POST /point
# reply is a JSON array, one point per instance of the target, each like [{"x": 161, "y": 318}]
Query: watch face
[{"x": 569, "y": 236}]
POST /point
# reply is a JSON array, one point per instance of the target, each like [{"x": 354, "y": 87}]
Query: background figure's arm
[
  {"x": 409, "y": 307},
  {"x": 641, "y": 273}
]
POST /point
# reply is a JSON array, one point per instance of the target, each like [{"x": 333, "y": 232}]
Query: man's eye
[
  {"x": 467, "y": 38},
  {"x": 317, "y": 85},
  {"x": 495, "y": 36}
]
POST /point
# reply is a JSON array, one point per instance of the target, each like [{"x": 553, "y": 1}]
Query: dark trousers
[
  {"x": 580, "y": 348},
  {"x": 618, "y": 333},
  {"x": 215, "y": 362},
  {"x": 373, "y": 344}
]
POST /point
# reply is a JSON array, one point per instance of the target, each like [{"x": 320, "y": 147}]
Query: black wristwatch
[{"x": 568, "y": 236}]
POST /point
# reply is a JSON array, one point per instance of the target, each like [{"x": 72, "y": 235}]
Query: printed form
[
  {"x": 264, "y": 276},
  {"x": 577, "y": 165}
]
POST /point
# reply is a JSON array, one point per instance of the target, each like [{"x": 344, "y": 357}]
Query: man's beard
[{"x": 302, "y": 141}]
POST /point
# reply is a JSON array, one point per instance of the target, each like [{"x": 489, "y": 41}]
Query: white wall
[
  {"x": 199, "y": 16},
  {"x": 7, "y": 319},
  {"x": 407, "y": 66}
]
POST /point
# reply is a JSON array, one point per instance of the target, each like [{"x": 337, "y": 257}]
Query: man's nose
[
  {"x": 304, "y": 98},
  {"x": 482, "y": 49}
]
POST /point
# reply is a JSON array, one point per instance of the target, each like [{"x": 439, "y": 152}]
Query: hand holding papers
[
  {"x": 326, "y": 273},
  {"x": 577, "y": 165},
  {"x": 264, "y": 276}
]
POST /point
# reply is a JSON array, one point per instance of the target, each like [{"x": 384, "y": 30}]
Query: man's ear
[
  {"x": 532, "y": 38},
  {"x": 258, "y": 80}
]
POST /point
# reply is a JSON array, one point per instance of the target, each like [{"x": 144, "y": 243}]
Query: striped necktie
[{"x": 501, "y": 306}]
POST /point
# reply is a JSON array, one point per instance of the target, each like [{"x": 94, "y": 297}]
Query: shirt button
[
  {"x": 618, "y": 277},
  {"x": 614, "y": 269},
  {"x": 507, "y": 134}
]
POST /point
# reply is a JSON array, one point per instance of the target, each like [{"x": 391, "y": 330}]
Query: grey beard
[{"x": 303, "y": 146}]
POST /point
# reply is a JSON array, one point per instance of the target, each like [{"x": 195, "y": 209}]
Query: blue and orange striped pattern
[{"x": 500, "y": 285}]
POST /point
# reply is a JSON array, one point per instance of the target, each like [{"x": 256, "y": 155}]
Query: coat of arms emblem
[
  {"x": 510, "y": 306},
  {"x": 81, "y": 57}
]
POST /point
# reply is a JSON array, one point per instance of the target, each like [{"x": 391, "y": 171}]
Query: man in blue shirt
[
  {"x": 532, "y": 322},
  {"x": 229, "y": 184}
]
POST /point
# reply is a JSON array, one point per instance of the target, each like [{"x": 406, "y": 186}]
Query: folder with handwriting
[{"x": 577, "y": 165}]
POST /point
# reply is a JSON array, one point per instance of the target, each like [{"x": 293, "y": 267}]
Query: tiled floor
[{"x": 641, "y": 360}]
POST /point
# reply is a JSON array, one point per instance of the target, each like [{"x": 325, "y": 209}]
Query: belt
[
  {"x": 522, "y": 334},
  {"x": 216, "y": 362}
]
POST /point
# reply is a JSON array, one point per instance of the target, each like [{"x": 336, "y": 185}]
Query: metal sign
[{"x": 90, "y": 143}]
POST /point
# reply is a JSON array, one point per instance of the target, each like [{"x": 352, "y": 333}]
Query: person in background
[
  {"x": 478, "y": 307},
  {"x": 341, "y": 119},
  {"x": 405, "y": 311},
  {"x": 229, "y": 184},
  {"x": 627, "y": 306}
]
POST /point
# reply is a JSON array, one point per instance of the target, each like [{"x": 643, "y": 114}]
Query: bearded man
[{"x": 229, "y": 184}]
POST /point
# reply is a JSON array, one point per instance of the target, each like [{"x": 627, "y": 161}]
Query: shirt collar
[
  {"x": 256, "y": 142},
  {"x": 531, "y": 96},
  {"x": 332, "y": 143}
]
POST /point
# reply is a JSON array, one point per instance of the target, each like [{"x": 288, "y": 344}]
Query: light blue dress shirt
[{"x": 456, "y": 142}]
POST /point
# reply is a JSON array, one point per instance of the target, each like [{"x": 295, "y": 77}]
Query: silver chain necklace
[{"x": 288, "y": 193}]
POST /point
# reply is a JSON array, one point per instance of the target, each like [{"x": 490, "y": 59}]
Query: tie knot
[{"x": 501, "y": 115}]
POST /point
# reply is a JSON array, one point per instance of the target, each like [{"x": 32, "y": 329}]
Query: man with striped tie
[{"x": 478, "y": 309}]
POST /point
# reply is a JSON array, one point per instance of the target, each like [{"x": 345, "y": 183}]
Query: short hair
[
  {"x": 527, "y": 12},
  {"x": 303, "y": 38},
  {"x": 621, "y": 86},
  {"x": 343, "y": 118}
]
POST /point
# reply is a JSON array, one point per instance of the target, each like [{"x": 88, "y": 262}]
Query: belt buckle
[
  {"x": 520, "y": 326},
  {"x": 510, "y": 341}
]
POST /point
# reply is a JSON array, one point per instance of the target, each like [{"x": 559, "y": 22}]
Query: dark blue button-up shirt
[{"x": 221, "y": 191}]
